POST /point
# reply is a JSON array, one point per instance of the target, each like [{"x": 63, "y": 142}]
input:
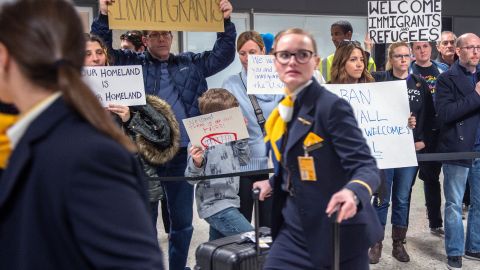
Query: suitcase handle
[
  {"x": 256, "y": 201},
  {"x": 336, "y": 241}
]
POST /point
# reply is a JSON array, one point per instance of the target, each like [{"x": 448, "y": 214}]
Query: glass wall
[
  {"x": 318, "y": 25},
  {"x": 203, "y": 41}
]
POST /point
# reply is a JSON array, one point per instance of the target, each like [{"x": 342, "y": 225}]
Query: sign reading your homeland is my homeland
[
  {"x": 173, "y": 15},
  {"x": 120, "y": 85}
]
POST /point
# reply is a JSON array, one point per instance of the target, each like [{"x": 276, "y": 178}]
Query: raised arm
[{"x": 223, "y": 52}]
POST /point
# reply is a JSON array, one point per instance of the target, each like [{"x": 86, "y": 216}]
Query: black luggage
[{"x": 233, "y": 252}]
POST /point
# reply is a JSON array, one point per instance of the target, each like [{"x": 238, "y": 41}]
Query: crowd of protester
[{"x": 78, "y": 173}]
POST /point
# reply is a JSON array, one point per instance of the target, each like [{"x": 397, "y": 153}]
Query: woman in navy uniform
[
  {"x": 322, "y": 164},
  {"x": 72, "y": 195}
]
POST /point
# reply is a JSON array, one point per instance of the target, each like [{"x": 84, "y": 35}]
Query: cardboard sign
[
  {"x": 382, "y": 112},
  {"x": 174, "y": 15},
  {"x": 216, "y": 128},
  {"x": 262, "y": 76},
  {"x": 120, "y": 85},
  {"x": 406, "y": 20}
]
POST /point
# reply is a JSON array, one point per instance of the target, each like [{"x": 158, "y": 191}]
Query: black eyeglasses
[
  {"x": 399, "y": 56},
  {"x": 471, "y": 48},
  {"x": 157, "y": 35},
  {"x": 348, "y": 42},
  {"x": 301, "y": 56}
]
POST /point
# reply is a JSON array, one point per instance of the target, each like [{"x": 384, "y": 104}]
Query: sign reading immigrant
[
  {"x": 216, "y": 128},
  {"x": 406, "y": 20},
  {"x": 120, "y": 85},
  {"x": 174, "y": 15},
  {"x": 382, "y": 112},
  {"x": 262, "y": 76}
]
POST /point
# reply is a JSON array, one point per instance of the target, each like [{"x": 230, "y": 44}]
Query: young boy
[{"x": 217, "y": 199}]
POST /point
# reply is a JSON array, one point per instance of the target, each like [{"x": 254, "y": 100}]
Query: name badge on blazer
[{"x": 306, "y": 166}]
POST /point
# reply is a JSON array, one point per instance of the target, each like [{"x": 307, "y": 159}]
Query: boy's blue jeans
[
  {"x": 227, "y": 222},
  {"x": 398, "y": 182},
  {"x": 455, "y": 179}
]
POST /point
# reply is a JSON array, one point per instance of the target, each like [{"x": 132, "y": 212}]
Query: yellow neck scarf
[{"x": 276, "y": 125}]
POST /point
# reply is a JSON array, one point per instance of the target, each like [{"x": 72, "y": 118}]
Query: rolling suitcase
[{"x": 234, "y": 252}]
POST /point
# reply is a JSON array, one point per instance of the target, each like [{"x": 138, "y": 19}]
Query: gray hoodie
[{"x": 215, "y": 195}]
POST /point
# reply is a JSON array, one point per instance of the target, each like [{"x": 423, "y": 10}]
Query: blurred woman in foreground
[{"x": 71, "y": 196}]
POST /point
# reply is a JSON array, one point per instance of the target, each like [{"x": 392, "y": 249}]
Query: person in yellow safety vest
[{"x": 341, "y": 31}]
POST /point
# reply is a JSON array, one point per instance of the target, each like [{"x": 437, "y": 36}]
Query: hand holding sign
[
  {"x": 197, "y": 152},
  {"x": 103, "y": 6},
  {"x": 226, "y": 8},
  {"x": 122, "y": 111}
]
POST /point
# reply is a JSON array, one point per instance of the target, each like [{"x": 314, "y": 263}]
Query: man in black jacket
[{"x": 458, "y": 105}]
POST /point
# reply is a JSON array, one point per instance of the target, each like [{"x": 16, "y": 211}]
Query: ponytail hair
[{"x": 46, "y": 40}]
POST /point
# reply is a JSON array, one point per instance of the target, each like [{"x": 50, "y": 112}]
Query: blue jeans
[
  {"x": 227, "y": 222},
  {"x": 454, "y": 188},
  {"x": 472, "y": 243},
  {"x": 179, "y": 196},
  {"x": 398, "y": 182}
]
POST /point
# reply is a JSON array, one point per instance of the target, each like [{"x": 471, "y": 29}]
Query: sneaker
[
  {"x": 454, "y": 262},
  {"x": 472, "y": 255},
  {"x": 437, "y": 231}
]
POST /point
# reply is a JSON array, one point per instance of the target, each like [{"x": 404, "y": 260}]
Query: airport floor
[{"x": 426, "y": 250}]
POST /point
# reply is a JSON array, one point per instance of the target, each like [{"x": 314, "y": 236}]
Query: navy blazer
[
  {"x": 72, "y": 198},
  {"x": 458, "y": 108},
  {"x": 344, "y": 156}
]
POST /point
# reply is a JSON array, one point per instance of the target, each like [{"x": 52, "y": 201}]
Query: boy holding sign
[{"x": 217, "y": 199}]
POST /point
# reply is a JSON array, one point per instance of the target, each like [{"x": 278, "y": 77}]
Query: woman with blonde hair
[
  {"x": 256, "y": 109},
  {"x": 399, "y": 181}
]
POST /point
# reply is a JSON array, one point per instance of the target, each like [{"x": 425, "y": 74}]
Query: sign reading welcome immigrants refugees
[
  {"x": 382, "y": 112},
  {"x": 120, "y": 85},
  {"x": 174, "y": 15},
  {"x": 406, "y": 20}
]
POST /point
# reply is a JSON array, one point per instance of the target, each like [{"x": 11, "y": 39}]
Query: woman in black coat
[{"x": 71, "y": 196}]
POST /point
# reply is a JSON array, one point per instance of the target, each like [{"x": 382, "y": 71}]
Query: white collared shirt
[
  {"x": 16, "y": 132},
  {"x": 295, "y": 93}
]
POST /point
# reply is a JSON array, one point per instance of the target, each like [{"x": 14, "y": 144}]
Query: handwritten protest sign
[
  {"x": 216, "y": 128},
  {"x": 176, "y": 15},
  {"x": 121, "y": 85},
  {"x": 406, "y": 20},
  {"x": 382, "y": 112},
  {"x": 262, "y": 76}
]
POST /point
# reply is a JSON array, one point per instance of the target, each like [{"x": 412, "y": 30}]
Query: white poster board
[
  {"x": 120, "y": 85},
  {"x": 406, "y": 20},
  {"x": 262, "y": 77},
  {"x": 216, "y": 128},
  {"x": 382, "y": 112}
]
